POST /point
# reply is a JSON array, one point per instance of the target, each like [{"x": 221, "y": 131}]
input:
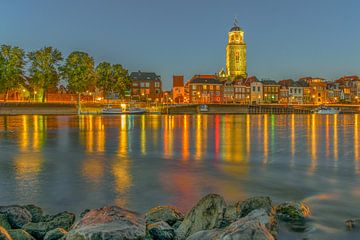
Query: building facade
[
  {"x": 236, "y": 53},
  {"x": 145, "y": 86},
  {"x": 205, "y": 89},
  {"x": 256, "y": 93},
  {"x": 178, "y": 90}
]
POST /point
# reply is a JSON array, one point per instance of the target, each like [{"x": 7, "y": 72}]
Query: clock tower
[{"x": 236, "y": 53}]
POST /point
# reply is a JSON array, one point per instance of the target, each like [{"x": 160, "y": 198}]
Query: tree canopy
[
  {"x": 44, "y": 68},
  {"x": 112, "y": 78},
  {"x": 12, "y": 62},
  {"x": 78, "y": 70}
]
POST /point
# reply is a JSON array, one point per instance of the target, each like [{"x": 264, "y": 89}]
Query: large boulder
[
  {"x": 4, "y": 235},
  {"x": 16, "y": 215},
  {"x": 19, "y": 234},
  {"x": 108, "y": 223},
  {"x": 206, "y": 215},
  {"x": 245, "y": 207},
  {"x": 55, "y": 234},
  {"x": 168, "y": 214},
  {"x": 250, "y": 230},
  {"x": 36, "y": 212},
  {"x": 61, "y": 220},
  {"x": 4, "y": 222},
  {"x": 212, "y": 234},
  {"x": 292, "y": 211},
  {"x": 160, "y": 231}
]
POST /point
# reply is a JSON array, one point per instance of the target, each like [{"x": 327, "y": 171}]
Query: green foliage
[
  {"x": 78, "y": 70},
  {"x": 12, "y": 62},
  {"x": 44, "y": 68},
  {"x": 112, "y": 78}
]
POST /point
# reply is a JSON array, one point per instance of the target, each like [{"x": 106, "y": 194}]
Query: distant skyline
[{"x": 285, "y": 39}]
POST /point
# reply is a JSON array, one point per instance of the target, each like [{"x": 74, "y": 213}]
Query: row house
[
  {"x": 205, "y": 89},
  {"x": 146, "y": 86},
  {"x": 241, "y": 92},
  {"x": 271, "y": 90},
  {"x": 178, "y": 90}
]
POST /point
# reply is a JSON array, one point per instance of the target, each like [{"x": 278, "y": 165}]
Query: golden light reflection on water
[
  {"x": 266, "y": 139},
  {"x": 230, "y": 142},
  {"x": 313, "y": 142},
  {"x": 335, "y": 145},
  {"x": 293, "y": 139},
  {"x": 356, "y": 143}
]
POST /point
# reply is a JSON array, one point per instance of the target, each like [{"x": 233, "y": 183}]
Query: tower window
[{"x": 237, "y": 57}]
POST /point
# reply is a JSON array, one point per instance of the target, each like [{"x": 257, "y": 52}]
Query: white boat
[
  {"x": 109, "y": 110},
  {"x": 326, "y": 110},
  {"x": 203, "y": 108}
]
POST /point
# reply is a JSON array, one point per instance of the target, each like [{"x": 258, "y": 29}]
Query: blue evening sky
[{"x": 286, "y": 38}]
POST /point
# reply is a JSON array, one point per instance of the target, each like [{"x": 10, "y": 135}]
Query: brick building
[{"x": 145, "y": 86}]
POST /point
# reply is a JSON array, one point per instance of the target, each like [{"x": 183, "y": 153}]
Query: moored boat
[{"x": 326, "y": 110}]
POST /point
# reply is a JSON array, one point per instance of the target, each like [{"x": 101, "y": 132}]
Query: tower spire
[{"x": 236, "y": 22}]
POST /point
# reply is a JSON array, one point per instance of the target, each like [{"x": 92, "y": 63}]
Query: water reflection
[{"x": 181, "y": 157}]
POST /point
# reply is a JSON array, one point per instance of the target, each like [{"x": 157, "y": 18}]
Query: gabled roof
[
  {"x": 205, "y": 79},
  {"x": 149, "y": 76}
]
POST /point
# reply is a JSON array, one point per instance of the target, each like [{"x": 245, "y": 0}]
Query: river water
[{"x": 73, "y": 163}]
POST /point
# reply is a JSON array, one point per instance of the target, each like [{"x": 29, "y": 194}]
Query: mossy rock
[
  {"x": 4, "y": 222},
  {"x": 36, "y": 212},
  {"x": 292, "y": 211},
  {"x": 55, "y": 234},
  {"x": 19, "y": 234},
  {"x": 245, "y": 207}
]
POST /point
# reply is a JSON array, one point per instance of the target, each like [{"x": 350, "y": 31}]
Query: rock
[
  {"x": 245, "y": 207},
  {"x": 19, "y": 234},
  {"x": 206, "y": 235},
  {"x": 4, "y": 222},
  {"x": 250, "y": 230},
  {"x": 352, "y": 223},
  {"x": 263, "y": 217},
  {"x": 230, "y": 215},
  {"x": 55, "y": 234},
  {"x": 167, "y": 214},
  {"x": 160, "y": 231},
  {"x": 108, "y": 223},
  {"x": 4, "y": 235},
  {"x": 16, "y": 215},
  {"x": 292, "y": 211},
  {"x": 61, "y": 220},
  {"x": 206, "y": 215},
  {"x": 36, "y": 213}
]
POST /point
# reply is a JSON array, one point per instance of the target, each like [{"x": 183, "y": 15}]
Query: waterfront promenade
[{"x": 22, "y": 108}]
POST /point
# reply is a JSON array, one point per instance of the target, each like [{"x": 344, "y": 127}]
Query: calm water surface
[{"x": 73, "y": 163}]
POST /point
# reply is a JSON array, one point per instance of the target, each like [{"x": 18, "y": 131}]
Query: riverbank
[
  {"x": 12, "y": 108},
  {"x": 210, "y": 219}
]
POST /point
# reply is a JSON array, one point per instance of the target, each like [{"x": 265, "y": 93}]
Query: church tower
[{"x": 236, "y": 53}]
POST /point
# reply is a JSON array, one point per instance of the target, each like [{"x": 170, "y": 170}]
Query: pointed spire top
[{"x": 236, "y": 27}]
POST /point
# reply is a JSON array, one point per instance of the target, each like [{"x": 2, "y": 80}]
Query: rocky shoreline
[{"x": 210, "y": 219}]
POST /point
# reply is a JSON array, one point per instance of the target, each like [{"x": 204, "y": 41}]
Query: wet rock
[
  {"x": 250, "y": 230},
  {"x": 250, "y": 204},
  {"x": 61, "y": 220},
  {"x": 36, "y": 212},
  {"x": 351, "y": 224},
  {"x": 292, "y": 211},
  {"x": 55, "y": 234},
  {"x": 160, "y": 231},
  {"x": 206, "y": 215},
  {"x": 168, "y": 214},
  {"x": 16, "y": 215},
  {"x": 230, "y": 215},
  {"x": 4, "y": 222},
  {"x": 19, "y": 234},
  {"x": 108, "y": 223},
  {"x": 206, "y": 235},
  {"x": 4, "y": 235},
  {"x": 263, "y": 217}
]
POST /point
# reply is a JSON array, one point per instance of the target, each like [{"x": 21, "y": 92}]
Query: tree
[
  {"x": 78, "y": 70},
  {"x": 44, "y": 68},
  {"x": 112, "y": 78},
  {"x": 12, "y": 61}
]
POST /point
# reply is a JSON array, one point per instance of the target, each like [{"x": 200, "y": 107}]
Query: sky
[{"x": 285, "y": 38}]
